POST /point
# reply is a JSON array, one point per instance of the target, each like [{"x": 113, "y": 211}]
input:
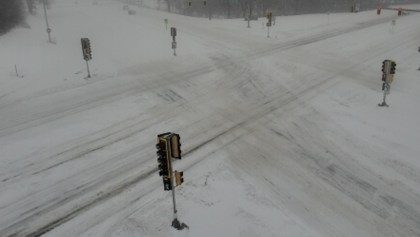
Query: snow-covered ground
[{"x": 281, "y": 136}]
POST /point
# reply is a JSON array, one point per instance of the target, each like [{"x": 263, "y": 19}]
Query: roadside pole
[
  {"x": 88, "y": 69},
  {"x": 46, "y": 22},
  {"x": 175, "y": 217}
]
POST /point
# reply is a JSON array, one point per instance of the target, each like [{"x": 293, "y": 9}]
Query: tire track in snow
[
  {"x": 259, "y": 110},
  {"x": 41, "y": 118},
  {"x": 268, "y": 106}
]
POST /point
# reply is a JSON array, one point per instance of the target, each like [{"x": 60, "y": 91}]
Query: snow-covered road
[{"x": 270, "y": 144}]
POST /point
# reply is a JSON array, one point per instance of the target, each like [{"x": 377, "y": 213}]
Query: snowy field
[{"x": 281, "y": 136}]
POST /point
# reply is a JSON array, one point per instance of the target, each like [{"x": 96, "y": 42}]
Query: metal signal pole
[
  {"x": 88, "y": 70},
  {"x": 46, "y": 22}
]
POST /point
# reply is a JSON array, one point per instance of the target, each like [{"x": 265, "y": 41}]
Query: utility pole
[{"x": 46, "y": 21}]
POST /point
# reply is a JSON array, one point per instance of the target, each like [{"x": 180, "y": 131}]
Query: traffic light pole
[
  {"x": 173, "y": 189},
  {"x": 387, "y": 88},
  {"x": 169, "y": 147},
  {"x": 175, "y": 223},
  {"x": 88, "y": 71}
]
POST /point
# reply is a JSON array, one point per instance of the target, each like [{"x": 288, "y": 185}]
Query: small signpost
[
  {"x": 169, "y": 146},
  {"x": 87, "y": 52},
  {"x": 388, "y": 71},
  {"x": 173, "y": 34}
]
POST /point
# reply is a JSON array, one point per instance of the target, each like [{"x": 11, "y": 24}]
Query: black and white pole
[
  {"x": 46, "y": 21},
  {"x": 173, "y": 34}
]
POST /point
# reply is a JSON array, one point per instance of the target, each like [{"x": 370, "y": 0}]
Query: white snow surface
[{"x": 281, "y": 136}]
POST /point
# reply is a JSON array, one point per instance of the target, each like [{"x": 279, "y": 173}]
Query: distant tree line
[
  {"x": 258, "y": 8},
  {"x": 11, "y": 14}
]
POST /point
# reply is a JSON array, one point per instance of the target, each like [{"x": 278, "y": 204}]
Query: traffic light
[
  {"x": 162, "y": 152},
  {"x": 419, "y": 49},
  {"x": 269, "y": 16},
  {"x": 189, "y": 3},
  {"x": 179, "y": 177},
  {"x": 205, "y": 3},
  {"x": 86, "y": 49},
  {"x": 173, "y": 32},
  {"x": 176, "y": 146},
  {"x": 393, "y": 66},
  {"x": 384, "y": 66}
]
